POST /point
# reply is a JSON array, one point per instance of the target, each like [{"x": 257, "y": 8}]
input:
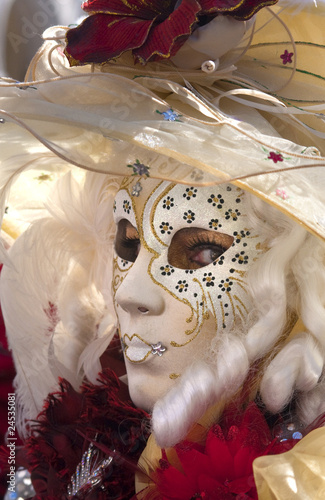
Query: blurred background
[{"x": 22, "y": 23}]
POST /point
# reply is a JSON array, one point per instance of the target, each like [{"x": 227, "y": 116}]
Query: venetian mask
[{"x": 181, "y": 256}]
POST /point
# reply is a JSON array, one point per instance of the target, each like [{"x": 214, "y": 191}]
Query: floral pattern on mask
[
  {"x": 218, "y": 288},
  {"x": 122, "y": 207}
]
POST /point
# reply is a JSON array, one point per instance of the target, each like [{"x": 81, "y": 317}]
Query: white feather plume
[{"x": 51, "y": 295}]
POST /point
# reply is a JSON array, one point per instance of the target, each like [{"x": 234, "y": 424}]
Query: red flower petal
[
  {"x": 103, "y": 36},
  {"x": 258, "y": 434},
  {"x": 218, "y": 452},
  {"x": 244, "y": 485},
  {"x": 213, "y": 489},
  {"x": 166, "y": 39},
  {"x": 173, "y": 484},
  {"x": 194, "y": 462},
  {"x": 243, "y": 461},
  {"x": 248, "y": 8},
  {"x": 137, "y": 8},
  {"x": 240, "y": 9},
  {"x": 212, "y": 6}
]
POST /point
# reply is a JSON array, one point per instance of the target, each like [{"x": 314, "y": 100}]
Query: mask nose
[{"x": 138, "y": 294}]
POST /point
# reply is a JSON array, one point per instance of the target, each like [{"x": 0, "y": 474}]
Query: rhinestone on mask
[
  {"x": 136, "y": 190},
  {"x": 158, "y": 349}
]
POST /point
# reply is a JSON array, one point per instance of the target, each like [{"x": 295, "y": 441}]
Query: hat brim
[{"x": 108, "y": 122}]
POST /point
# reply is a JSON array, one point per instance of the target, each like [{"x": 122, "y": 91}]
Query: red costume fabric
[
  {"x": 218, "y": 469},
  {"x": 70, "y": 422}
]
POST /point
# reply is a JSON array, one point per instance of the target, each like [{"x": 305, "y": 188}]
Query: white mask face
[{"x": 179, "y": 277}]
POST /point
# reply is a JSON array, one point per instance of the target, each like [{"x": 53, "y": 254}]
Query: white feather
[{"x": 51, "y": 295}]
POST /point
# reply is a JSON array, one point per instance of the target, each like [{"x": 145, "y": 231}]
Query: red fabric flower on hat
[
  {"x": 222, "y": 469},
  {"x": 152, "y": 29}
]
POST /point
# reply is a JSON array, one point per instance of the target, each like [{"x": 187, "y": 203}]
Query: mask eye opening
[
  {"x": 127, "y": 241},
  {"x": 194, "y": 248}
]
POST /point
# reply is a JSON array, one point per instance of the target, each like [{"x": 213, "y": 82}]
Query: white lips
[{"x": 136, "y": 350}]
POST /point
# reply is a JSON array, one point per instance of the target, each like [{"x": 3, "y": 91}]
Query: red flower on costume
[
  {"x": 286, "y": 57},
  {"x": 151, "y": 29},
  {"x": 275, "y": 157},
  {"x": 222, "y": 469}
]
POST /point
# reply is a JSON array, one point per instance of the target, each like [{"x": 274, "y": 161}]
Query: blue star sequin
[{"x": 170, "y": 115}]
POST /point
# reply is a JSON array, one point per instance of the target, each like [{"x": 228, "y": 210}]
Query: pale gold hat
[{"x": 253, "y": 120}]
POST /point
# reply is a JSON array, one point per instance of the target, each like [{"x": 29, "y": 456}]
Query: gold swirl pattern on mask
[
  {"x": 198, "y": 330},
  {"x": 204, "y": 303},
  {"x": 198, "y": 326},
  {"x": 242, "y": 274},
  {"x": 122, "y": 269},
  {"x": 205, "y": 314},
  {"x": 213, "y": 311},
  {"x": 193, "y": 315},
  {"x": 117, "y": 278},
  {"x": 193, "y": 312},
  {"x": 156, "y": 254},
  {"x": 126, "y": 182},
  {"x": 241, "y": 306},
  {"x": 231, "y": 298},
  {"x": 241, "y": 283},
  {"x": 222, "y": 312},
  {"x": 154, "y": 209}
]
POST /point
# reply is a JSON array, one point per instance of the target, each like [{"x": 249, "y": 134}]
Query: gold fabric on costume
[
  {"x": 296, "y": 474},
  {"x": 149, "y": 459}
]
